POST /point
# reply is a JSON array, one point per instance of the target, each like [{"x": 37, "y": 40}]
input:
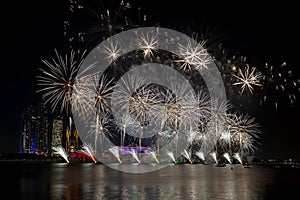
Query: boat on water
[{"x": 80, "y": 156}]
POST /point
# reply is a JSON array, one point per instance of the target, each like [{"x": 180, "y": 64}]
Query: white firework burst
[
  {"x": 57, "y": 80},
  {"x": 112, "y": 50},
  {"x": 124, "y": 89},
  {"x": 92, "y": 95},
  {"x": 247, "y": 79},
  {"x": 148, "y": 43},
  {"x": 195, "y": 108},
  {"x": 245, "y": 133},
  {"x": 193, "y": 56},
  {"x": 99, "y": 136}
]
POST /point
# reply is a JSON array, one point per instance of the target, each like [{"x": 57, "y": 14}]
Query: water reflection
[
  {"x": 24, "y": 176},
  {"x": 95, "y": 181},
  {"x": 70, "y": 181}
]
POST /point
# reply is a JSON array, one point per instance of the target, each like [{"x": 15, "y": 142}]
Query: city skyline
[{"x": 253, "y": 38}]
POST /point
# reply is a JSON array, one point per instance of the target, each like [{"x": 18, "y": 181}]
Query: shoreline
[{"x": 260, "y": 165}]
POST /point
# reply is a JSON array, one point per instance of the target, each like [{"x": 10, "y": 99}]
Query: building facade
[
  {"x": 41, "y": 132},
  {"x": 35, "y": 129}
]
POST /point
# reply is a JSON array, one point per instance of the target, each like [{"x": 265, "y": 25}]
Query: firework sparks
[
  {"x": 102, "y": 93},
  {"x": 102, "y": 20},
  {"x": 245, "y": 132},
  {"x": 88, "y": 150},
  {"x": 125, "y": 88},
  {"x": 126, "y": 122},
  {"x": 148, "y": 43},
  {"x": 112, "y": 50},
  {"x": 248, "y": 78},
  {"x": 279, "y": 81},
  {"x": 116, "y": 152},
  {"x": 193, "y": 56},
  {"x": 58, "y": 79},
  {"x": 215, "y": 125},
  {"x": 99, "y": 136},
  {"x": 62, "y": 152},
  {"x": 82, "y": 102},
  {"x": 205, "y": 121},
  {"x": 195, "y": 109},
  {"x": 92, "y": 95}
]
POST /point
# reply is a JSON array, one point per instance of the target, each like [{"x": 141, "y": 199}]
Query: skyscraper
[
  {"x": 35, "y": 132},
  {"x": 57, "y": 132}
]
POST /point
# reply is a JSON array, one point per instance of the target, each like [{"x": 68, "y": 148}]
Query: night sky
[{"x": 263, "y": 33}]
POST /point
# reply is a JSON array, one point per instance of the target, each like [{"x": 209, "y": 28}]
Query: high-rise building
[
  {"x": 41, "y": 132},
  {"x": 35, "y": 133},
  {"x": 57, "y": 132}
]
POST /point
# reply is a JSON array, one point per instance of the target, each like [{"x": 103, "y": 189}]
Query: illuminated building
[
  {"x": 72, "y": 137},
  {"x": 57, "y": 131},
  {"x": 35, "y": 129},
  {"x": 41, "y": 131}
]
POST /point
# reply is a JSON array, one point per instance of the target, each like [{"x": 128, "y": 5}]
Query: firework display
[
  {"x": 58, "y": 79},
  {"x": 211, "y": 127}
]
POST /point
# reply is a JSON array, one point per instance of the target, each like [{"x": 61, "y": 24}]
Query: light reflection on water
[{"x": 90, "y": 181}]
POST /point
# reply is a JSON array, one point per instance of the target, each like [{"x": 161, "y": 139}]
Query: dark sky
[{"x": 263, "y": 33}]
